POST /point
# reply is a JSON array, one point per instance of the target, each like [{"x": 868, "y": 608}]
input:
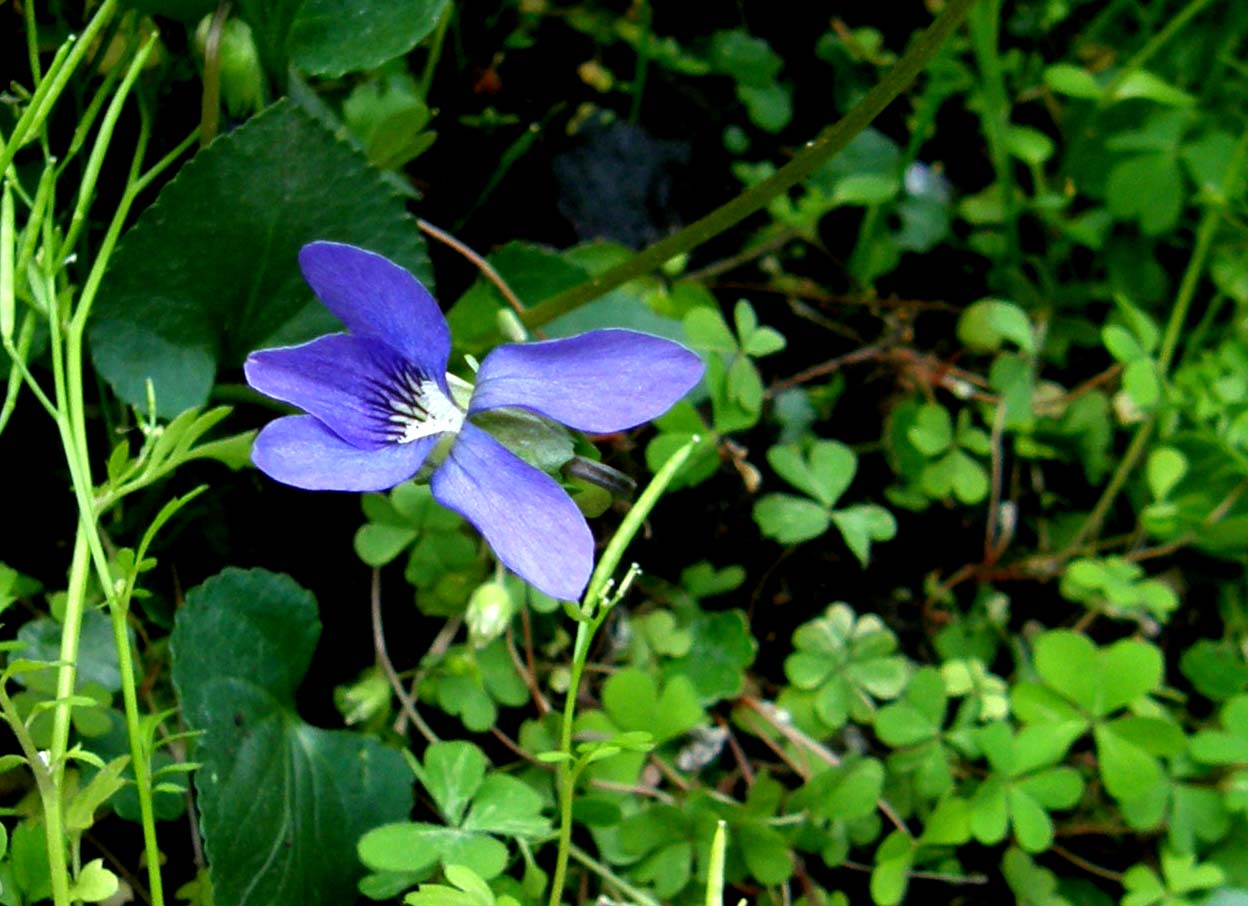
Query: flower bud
[
  {"x": 490, "y": 610},
  {"x": 242, "y": 78}
]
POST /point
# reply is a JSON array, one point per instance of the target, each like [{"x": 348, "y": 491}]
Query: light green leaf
[
  {"x": 789, "y": 519},
  {"x": 862, "y": 524}
]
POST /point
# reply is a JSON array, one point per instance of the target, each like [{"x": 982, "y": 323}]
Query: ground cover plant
[{"x": 525, "y": 452}]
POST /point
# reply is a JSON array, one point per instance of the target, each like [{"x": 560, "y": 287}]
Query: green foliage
[
  {"x": 1015, "y": 311},
  {"x": 823, "y": 472},
  {"x": 476, "y": 807},
  {"x": 197, "y": 284},
  {"x": 842, "y": 664},
  {"x": 281, "y": 802}
]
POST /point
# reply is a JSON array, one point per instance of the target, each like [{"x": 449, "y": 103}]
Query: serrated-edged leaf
[
  {"x": 209, "y": 272},
  {"x": 281, "y": 802},
  {"x": 334, "y": 37}
]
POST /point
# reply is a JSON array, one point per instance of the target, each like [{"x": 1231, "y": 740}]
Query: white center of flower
[{"x": 416, "y": 407}]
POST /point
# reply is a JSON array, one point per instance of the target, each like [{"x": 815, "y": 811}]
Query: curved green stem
[
  {"x": 829, "y": 143},
  {"x": 1154, "y": 44},
  {"x": 594, "y": 610}
]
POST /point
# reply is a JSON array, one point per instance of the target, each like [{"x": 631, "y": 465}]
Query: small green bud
[
  {"x": 242, "y": 77},
  {"x": 490, "y": 610}
]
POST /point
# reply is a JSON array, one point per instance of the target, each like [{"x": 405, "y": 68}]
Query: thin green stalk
[
  {"x": 49, "y": 795},
  {"x": 635, "y": 894},
  {"x": 1151, "y": 47},
  {"x": 643, "y": 60},
  {"x": 829, "y": 143},
  {"x": 66, "y": 675},
  {"x": 435, "y": 51},
  {"x": 86, "y": 189},
  {"x": 994, "y": 113},
  {"x": 32, "y": 43},
  {"x": 1205, "y": 234},
  {"x": 66, "y": 61},
  {"x": 17, "y": 370},
  {"x": 594, "y": 610}
]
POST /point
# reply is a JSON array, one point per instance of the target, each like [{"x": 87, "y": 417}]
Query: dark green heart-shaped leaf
[
  {"x": 209, "y": 271},
  {"x": 281, "y": 802}
]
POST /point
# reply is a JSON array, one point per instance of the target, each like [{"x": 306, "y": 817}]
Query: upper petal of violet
[
  {"x": 347, "y": 382},
  {"x": 374, "y": 297},
  {"x": 532, "y": 526},
  {"x": 599, "y": 382},
  {"x": 299, "y": 450}
]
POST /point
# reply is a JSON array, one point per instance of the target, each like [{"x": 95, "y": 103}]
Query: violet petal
[
  {"x": 347, "y": 382},
  {"x": 299, "y": 450},
  {"x": 529, "y": 521},
  {"x": 599, "y": 382},
  {"x": 374, "y": 297}
]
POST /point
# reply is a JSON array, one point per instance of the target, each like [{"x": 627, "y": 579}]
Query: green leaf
[
  {"x": 1140, "y": 83},
  {"x": 707, "y": 330},
  {"x": 823, "y": 472},
  {"x": 720, "y": 650},
  {"x": 198, "y": 282},
  {"x": 789, "y": 519},
  {"x": 507, "y": 806},
  {"x": 452, "y": 773},
  {"x": 985, "y": 325},
  {"x": 1147, "y": 188},
  {"x": 932, "y": 431},
  {"x": 1166, "y": 468},
  {"x": 633, "y": 702},
  {"x": 416, "y": 846},
  {"x": 1031, "y": 146},
  {"x": 846, "y": 792},
  {"x": 377, "y": 543},
  {"x": 334, "y": 37},
  {"x": 891, "y": 874},
  {"x": 865, "y": 189},
  {"x": 94, "y": 883},
  {"x": 1072, "y": 80},
  {"x": 281, "y": 802},
  {"x": 1129, "y": 669},
  {"x": 1128, "y": 771},
  {"x": 862, "y": 524}
]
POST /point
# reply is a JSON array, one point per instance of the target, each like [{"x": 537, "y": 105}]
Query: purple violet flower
[{"x": 377, "y": 403}]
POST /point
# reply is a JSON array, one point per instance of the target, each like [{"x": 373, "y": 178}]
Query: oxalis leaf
[
  {"x": 281, "y": 802},
  {"x": 209, "y": 271}
]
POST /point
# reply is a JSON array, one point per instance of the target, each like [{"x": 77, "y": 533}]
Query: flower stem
[
  {"x": 594, "y": 611},
  {"x": 829, "y": 143}
]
